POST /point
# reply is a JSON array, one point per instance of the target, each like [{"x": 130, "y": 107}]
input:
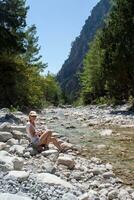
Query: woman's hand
[{"x": 39, "y": 133}]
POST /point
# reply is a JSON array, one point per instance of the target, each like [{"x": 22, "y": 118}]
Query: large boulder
[
  {"x": 66, "y": 160},
  {"x": 17, "y": 175},
  {"x": 17, "y": 134},
  {"x": 21, "y": 128},
  {"x": 6, "y": 126},
  {"x": 5, "y": 136},
  {"x": 2, "y": 146},
  {"x": 50, "y": 179},
  {"x": 18, "y": 149},
  {"x": 8, "y": 162},
  {"x": 7, "y": 196}
]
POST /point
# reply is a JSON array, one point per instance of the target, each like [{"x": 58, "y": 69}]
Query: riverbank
[{"x": 89, "y": 169}]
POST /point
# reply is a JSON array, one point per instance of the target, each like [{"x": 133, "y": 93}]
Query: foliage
[
  {"x": 108, "y": 66},
  {"x": 51, "y": 89},
  {"x": 68, "y": 76},
  {"x": 22, "y": 85},
  {"x": 92, "y": 77}
]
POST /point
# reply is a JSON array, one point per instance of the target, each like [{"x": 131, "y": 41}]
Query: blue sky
[{"x": 58, "y": 23}]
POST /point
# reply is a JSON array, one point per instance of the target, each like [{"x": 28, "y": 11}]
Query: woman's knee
[{"x": 49, "y": 133}]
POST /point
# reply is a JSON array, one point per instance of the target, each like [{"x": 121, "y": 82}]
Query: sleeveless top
[{"x": 28, "y": 132}]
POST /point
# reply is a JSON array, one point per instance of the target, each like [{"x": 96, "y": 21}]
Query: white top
[
  {"x": 28, "y": 128},
  {"x": 36, "y": 130}
]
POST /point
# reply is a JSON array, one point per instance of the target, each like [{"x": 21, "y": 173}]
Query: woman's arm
[{"x": 32, "y": 131}]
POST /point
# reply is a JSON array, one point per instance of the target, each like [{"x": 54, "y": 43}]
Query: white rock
[
  {"x": 50, "y": 179},
  {"x": 18, "y": 149},
  {"x": 6, "y": 126},
  {"x": 17, "y": 163},
  {"x": 19, "y": 128},
  {"x": 7, "y": 196},
  {"x": 66, "y": 145},
  {"x": 4, "y": 136},
  {"x": 106, "y": 132},
  {"x": 92, "y": 195},
  {"x": 84, "y": 197},
  {"x": 97, "y": 170},
  {"x": 12, "y": 141},
  {"x": 112, "y": 194},
  {"x": 17, "y": 175},
  {"x": 66, "y": 160},
  {"x": 108, "y": 174},
  {"x": 49, "y": 152},
  {"x": 17, "y": 134},
  {"x": 69, "y": 196},
  {"x": 27, "y": 155},
  {"x": 24, "y": 141},
  {"x": 8, "y": 162},
  {"x": 2, "y": 145},
  {"x": 123, "y": 195},
  {"x": 109, "y": 166}
]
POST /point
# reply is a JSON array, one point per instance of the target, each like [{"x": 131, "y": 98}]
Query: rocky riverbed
[{"x": 98, "y": 162}]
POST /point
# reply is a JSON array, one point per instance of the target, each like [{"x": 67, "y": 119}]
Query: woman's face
[{"x": 32, "y": 118}]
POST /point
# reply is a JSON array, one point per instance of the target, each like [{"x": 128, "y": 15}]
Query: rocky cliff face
[{"x": 68, "y": 76}]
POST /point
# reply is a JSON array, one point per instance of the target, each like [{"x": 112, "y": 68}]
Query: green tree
[
  {"x": 108, "y": 66},
  {"x": 12, "y": 25},
  {"x": 117, "y": 40},
  {"x": 92, "y": 78},
  {"x": 51, "y": 89}
]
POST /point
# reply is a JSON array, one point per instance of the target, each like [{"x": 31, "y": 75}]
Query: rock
[
  {"x": 17, "y": 175},
  {"x": 4, "y": 110},
  {"x": 7, "y": 196},
  {"x": 97, "y": 171},
  {"x": 7, "y": 162},
  {"x": 6, "y": 126},
  {"x": 27, "y": 155},
  {"x": 17, "y": 163},
  {"x": 49, "y": 152},
  {"x": 18, "y": 149},
  {"x": 66, "y": 145},
  {"x": 69, "y": 196},
  {"x": 112, "y": 194},
  {"x": 20, "y": 128},
  {"x": 12, "y": 142},
  {"x": 2, "y": 145},
  {"x": 4, "y": 136},
  {"x": 49, "y": 167},
  {"x": 17, "y": 134},
  {"x": 50, "y": 179},
  {"x": 106, "y": 132},
  {"x": 123, "y": 195},
  {"x": 24, "y": 142},
  {"x": 93, "y": 195},
  {"x": 108, "y": 175},
  {"x": 109, "y": 166},
  {"x": 12, "y": 118},
  {"x": 70, "y": 126},
  {"x": 84, "y": 197},
  {"x": 100, "y": 146},
  {"x": 66, "y": 160}
]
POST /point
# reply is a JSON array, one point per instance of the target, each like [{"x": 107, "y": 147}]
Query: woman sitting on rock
[{"x": 39, "y": 139}]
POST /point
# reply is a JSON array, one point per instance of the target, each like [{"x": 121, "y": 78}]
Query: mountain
[{"x": 68, "y": 76}]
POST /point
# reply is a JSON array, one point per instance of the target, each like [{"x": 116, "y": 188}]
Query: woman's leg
[
  {"x": 45, "y": 138},
  {"x": 55, "y": 142}
]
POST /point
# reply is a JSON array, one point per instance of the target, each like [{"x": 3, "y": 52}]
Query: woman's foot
[{"x": 45, "y": 146}]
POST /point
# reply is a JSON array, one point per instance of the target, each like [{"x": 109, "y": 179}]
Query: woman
[{"x": 39, "y": 138}]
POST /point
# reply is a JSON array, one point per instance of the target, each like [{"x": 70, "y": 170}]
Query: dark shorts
[{"x": 35, "y": 140}]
